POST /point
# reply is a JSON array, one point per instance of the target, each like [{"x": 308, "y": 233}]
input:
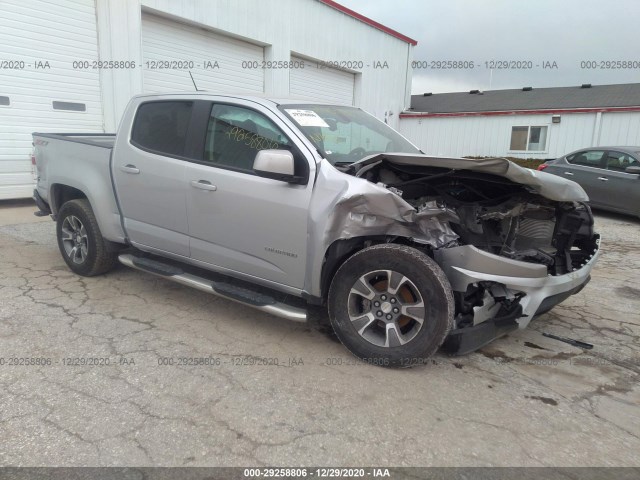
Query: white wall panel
[
  {"x": 313, "y": 30},
  {"x": 119, "y": 27},
  {"x": 620, "y": 129},
  {"x": 168, "y": 40},
  {"x": 59, "y": 32},
  {"x": 318, "y": 82},
  {"x": 491, "y": 135},
  {"x": 63, "y": 31}
]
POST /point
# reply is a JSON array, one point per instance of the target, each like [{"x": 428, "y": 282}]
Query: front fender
[{"x": 345, "y": 207}]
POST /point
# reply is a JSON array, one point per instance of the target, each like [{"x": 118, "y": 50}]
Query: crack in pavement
[{"x": 149, "y": 414}]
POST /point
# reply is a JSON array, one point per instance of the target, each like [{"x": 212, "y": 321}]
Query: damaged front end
[{"x": 513, "y": 242}]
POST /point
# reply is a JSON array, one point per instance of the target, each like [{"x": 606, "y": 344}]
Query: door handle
[
  {"x": 604, "y": 179},
  {"x": 129, "y": 169},
  {"x": 569, "y": 174},
  {"x": 203, "y": 185}
]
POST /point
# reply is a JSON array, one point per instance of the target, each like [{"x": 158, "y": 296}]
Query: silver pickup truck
[{"x": 283, "y": 204}]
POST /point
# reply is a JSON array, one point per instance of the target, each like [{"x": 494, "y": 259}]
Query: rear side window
[
  {"x": 161, "y": 127},
  {"x": 591, "y": 158}
]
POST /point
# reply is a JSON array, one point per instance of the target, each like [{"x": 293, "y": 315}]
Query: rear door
[
  {"x": 238, "y": 221},
  {"x": 584, "y": 168},
  {"x": 150, "y": 176}
]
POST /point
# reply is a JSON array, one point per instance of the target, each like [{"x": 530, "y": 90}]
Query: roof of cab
[{"x": 255, "y": 98}]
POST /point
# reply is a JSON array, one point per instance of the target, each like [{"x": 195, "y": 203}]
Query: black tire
[
  {"x": 423, "y": 281},
  {"x": 94, "y": 257}
]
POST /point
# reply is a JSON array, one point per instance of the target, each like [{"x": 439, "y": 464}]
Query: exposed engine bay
[
  {"x": 494, "y": 214},
  {"x": 483, "y": 212}
]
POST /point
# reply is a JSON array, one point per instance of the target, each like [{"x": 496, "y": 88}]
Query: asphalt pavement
[{"x": 132, "y": 369}]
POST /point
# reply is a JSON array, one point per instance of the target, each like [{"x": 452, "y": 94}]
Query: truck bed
[{"x": 71, "y": 162}]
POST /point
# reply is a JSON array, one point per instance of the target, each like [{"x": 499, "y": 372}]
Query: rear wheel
[
  {"x": 391, "y": 305},
  {"x": 80, "y": 241}
]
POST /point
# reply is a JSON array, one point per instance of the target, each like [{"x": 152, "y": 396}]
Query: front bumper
[
  {"x": 466, "y": 340},
  {"x": 468, "y": 265}
]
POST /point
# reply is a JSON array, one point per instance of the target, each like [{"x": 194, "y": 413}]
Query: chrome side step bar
[{"x": 245, "y": 296}]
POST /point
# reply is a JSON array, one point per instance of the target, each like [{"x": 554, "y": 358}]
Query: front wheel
[
  {"x": 391, "y": 305},
  {"x": 80, "y": 241}
]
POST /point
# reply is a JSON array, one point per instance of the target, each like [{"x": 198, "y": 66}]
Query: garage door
[
  {"x": 327, "y": 84},
  {"x": 40, "y": 90},
  {"x": 171, "y": 49}
]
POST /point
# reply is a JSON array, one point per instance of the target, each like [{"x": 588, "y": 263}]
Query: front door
[
  {"x": 241, "y": 222},
  {"x": 620, "y": 190}
]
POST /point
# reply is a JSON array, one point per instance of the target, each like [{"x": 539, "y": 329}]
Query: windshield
[{"x": 345, "y": 134}]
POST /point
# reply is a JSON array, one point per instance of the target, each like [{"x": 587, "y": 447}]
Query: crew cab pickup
[{"x": 284, "y": 204}]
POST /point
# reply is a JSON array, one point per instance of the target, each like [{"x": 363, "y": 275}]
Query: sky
[{"x": 534, "y": 33}]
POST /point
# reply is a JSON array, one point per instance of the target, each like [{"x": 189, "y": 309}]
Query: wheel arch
[
  {"x": 342, "y": 249},
  {"x": 107, "y": 217},
  {"x": 100, "y": 254},
  {"x": 59, "y": 194},
  {"x": 376, "y": 320}
]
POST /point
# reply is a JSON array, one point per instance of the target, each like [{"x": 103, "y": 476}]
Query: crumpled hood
[{"x": 548, "y": 185}]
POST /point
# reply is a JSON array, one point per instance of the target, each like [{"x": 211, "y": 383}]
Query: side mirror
[
  {"x": 633, "y": 170},
  {"x": 277, "y": 165}
]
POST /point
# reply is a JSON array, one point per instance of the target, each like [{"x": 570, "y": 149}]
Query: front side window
[
  {"x": 590, "y": 158},
  {"x": 619, "y": 161},
  {"x": 529, "y": 139},
  {"x": 161, "y": 127},
  {"x": 236, "y": 134},
  {"x": 345, "y": 135}
]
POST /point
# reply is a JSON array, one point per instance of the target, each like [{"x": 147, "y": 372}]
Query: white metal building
[
  {"x": 528, "y": 123},
  {"x": 56, "y": 75}
]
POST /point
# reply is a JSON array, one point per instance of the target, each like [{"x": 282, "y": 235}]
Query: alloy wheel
[
  {"x": 386, "y": 308},
  {"x": 74, "y": 239}
]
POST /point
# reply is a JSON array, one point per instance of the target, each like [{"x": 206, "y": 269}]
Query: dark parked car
[{"x": 610, "y": 176}]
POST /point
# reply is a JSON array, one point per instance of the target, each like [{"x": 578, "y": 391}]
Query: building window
[
  {"x": 71, "y": 106},
  {"x": 4, "y": 101},
  {"x": 530, "y": 139}
]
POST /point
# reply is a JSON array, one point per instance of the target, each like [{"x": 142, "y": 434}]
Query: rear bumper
[
  {"x": 541, "y": 291},
  {"x": 43, "y": 207}
]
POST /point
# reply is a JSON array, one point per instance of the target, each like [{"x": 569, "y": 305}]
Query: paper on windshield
[{"x": 306, "y": 118}]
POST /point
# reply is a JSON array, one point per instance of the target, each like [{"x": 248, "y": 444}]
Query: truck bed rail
[{"x": 103, "y": 140}]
